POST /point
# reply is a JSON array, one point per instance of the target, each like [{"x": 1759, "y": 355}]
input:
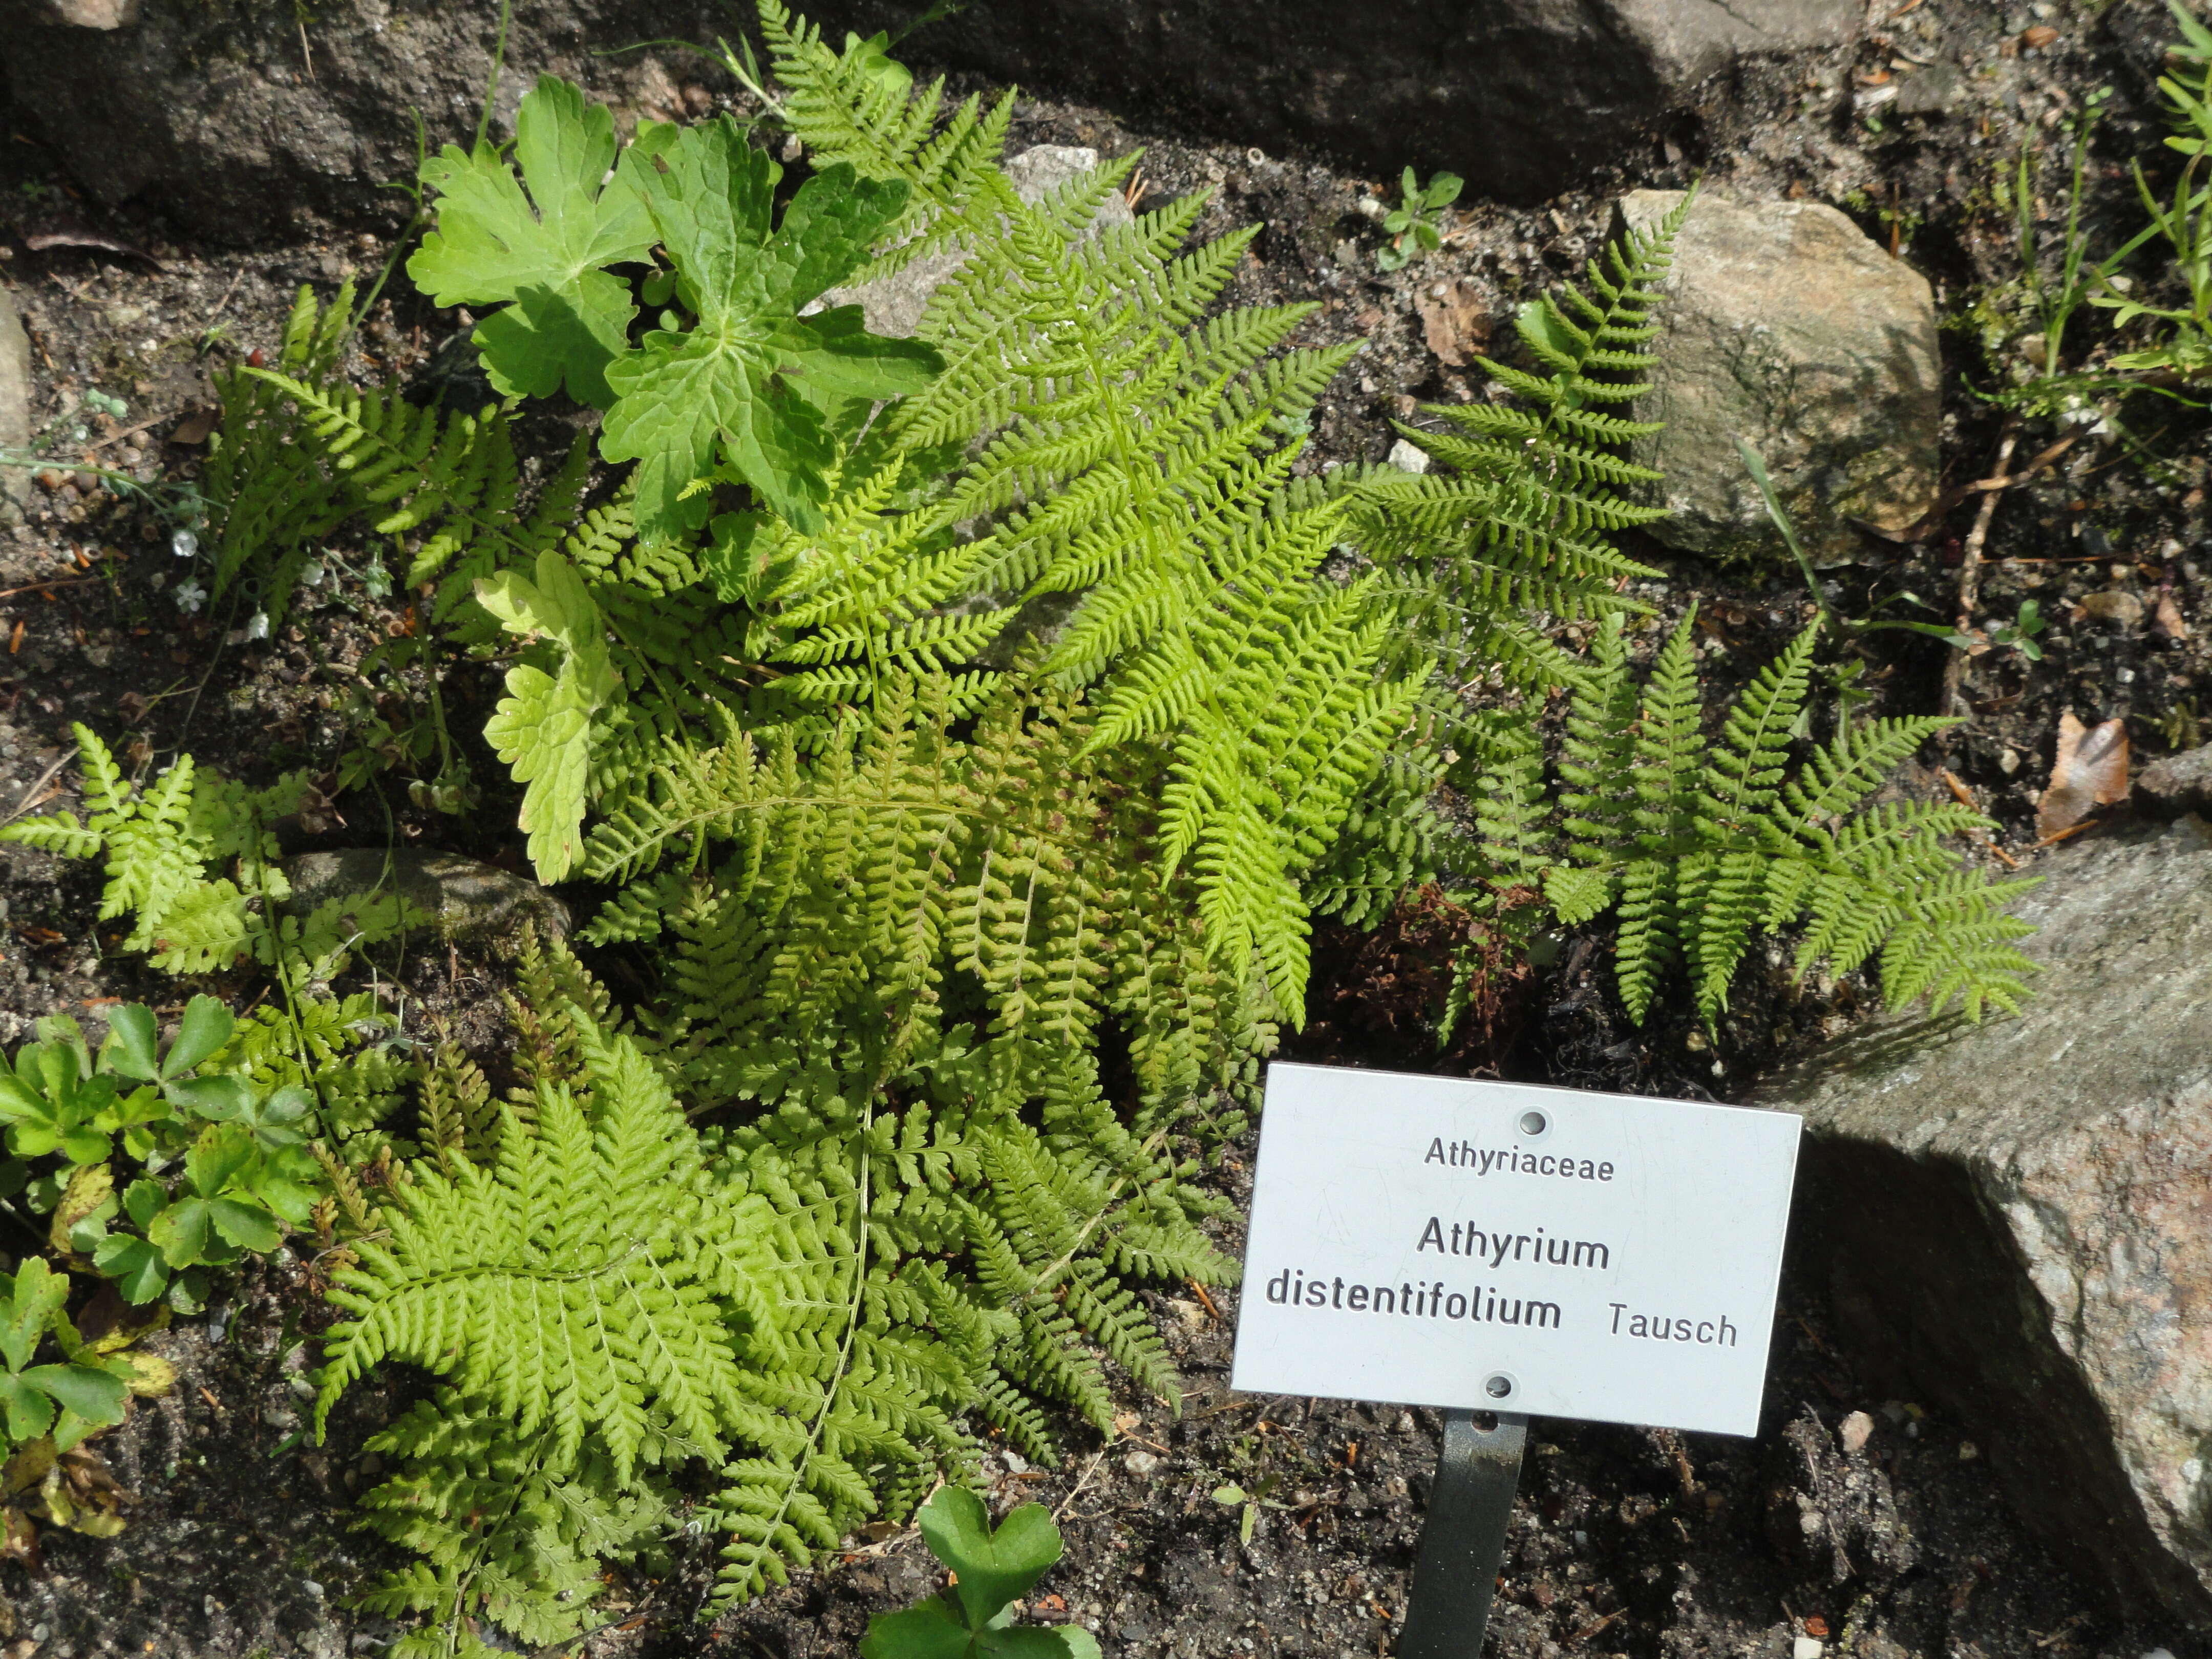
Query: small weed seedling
[
  {"x": 973, "y": 1619},
  {"x": 1249, "y": 1502},
  {"x": 1414, "y": 226}
]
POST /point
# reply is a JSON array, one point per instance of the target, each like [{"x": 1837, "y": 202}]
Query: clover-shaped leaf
[
  {"x": 51, "y": 1104},
  {"x": 990, "y": 1570},
  {"x": 216, "y": 1216}
]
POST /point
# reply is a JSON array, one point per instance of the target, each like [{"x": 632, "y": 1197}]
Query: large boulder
[
  {"x": 238, "y": 118},
  {"x": 2016, "y": 1216},
  {"x": 1522, "y": 97},
  {"x": 1784, "y": 325},
  {"x": 250, "y": 120}
]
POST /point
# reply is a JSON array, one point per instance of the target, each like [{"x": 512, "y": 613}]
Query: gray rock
[
  {"x": 14, "y": 408},
  {"x": 1930, "y": 89},
  {"x": 1785, "y": 325},
  {"x": 256, "y": 120},
  {"x": 2177, "y": 784},
  {"x": 241, "y": 120},
  {"x": 471, "y": 899},
  {"x": 2013, "y": 1214},
  {"x": 1407, "y": 456},
  {"x": 1522, "y": 97},
  {"x": 893, "y": 305}
]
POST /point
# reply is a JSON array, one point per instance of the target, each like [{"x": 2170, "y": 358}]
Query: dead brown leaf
[
  {"x": 195, "y": 426},
  {"x": 1454, "y": 321},
  {"x": 86, "y": 238},
  {"x": 2166, "y": 620},
  {"x": 2090, "y": 770}
]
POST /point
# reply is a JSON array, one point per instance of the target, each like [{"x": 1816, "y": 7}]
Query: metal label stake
[{"x": 1463, "y": 1540}]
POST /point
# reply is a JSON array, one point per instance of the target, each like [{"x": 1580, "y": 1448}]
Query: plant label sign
[{"x": 1498, "y": 1247}]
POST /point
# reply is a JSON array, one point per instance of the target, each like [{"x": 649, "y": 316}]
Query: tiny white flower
[
  {"x": 257, "y": 625},
  {"x": 189, "y": 596}
]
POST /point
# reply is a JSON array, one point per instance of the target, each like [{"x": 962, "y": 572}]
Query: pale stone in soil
[{"x": 1784, "y": 325}]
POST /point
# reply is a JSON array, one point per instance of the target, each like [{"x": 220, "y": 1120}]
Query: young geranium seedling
[{"x": 973, "y": 1618}]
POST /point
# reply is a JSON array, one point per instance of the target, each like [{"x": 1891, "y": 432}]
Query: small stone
[
  {"x": 2114, "y": 605},
  {"x": 466, "y": 897},
  {"x": 1142, "y": 1464},
  {"x": 1408, "y": 456},
  {"x": 1783, "y": 323},
  {"x": 1811, "y": 1521},
  {"x": 1808, "y": 1647},
  {"x": 1015, "y": 1462},
  {"x": 105, "y": 16},
  {"x": 1855, "y": 1430}
]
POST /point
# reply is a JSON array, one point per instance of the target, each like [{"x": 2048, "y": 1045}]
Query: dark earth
[{"x": 1626, "y": 1541}]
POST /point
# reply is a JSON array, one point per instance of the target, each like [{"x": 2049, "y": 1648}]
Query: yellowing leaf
[
  {"x": 542, "y": 728},
  {"x": 152, "y": 1376},
  {"x": 90, "y": 1186}
]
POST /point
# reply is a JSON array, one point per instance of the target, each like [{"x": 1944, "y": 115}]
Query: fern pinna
[{"x": 1695, "y": 842}]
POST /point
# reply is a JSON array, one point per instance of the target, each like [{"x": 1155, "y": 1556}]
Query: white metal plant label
[{"x": 1494, "y": 1246}]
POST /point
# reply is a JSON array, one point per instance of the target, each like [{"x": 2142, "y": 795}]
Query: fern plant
[
  {"x": 947, "y": 715},
  {"x": 1696, "y": 843},
  {"x": 275, "y": 500},
  {"x": 158, "y": 844}
]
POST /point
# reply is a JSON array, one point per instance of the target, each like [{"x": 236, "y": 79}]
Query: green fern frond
[{"x": 1698, "y": 844}]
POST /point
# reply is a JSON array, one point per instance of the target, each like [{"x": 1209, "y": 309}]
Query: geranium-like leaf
[
  {"x": 541, "y": 242},
  {"x": 745, "y": 388}
]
